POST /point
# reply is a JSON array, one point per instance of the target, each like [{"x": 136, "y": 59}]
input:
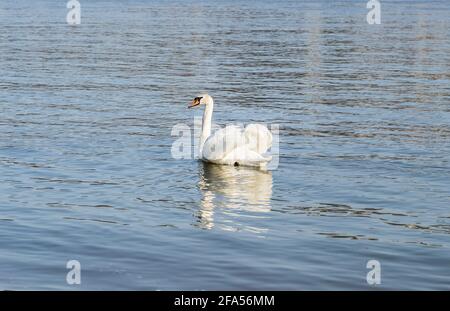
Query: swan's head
[{"x": 204, "y": 99}]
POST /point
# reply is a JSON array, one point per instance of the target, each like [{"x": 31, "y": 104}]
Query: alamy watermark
[
  {"x": 73, "y": 277},
  {"x": 374, "y": 15},
  {"x": 74, "y": 15},
  {"x": 373, "y": 277},
  {"x": 187, "y": 142}
]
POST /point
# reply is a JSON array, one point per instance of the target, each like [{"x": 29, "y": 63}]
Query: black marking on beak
[{"x": 195, "y": 102}]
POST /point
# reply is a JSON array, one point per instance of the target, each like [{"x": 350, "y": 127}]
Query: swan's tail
[
  {"x": 263, "y": 164},
  {"x": 258, "y": 137}
]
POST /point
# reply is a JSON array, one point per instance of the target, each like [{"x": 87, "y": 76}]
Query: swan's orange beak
[{"x": 195, "y": 102}]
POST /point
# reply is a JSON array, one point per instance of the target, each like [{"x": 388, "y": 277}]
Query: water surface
[{"x": 86, "y": 171}]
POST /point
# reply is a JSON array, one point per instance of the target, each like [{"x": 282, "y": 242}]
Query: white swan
[{"x": 232, "y": 145}]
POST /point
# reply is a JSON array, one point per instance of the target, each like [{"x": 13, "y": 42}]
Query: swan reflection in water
[{"x": 232, "y": 193}]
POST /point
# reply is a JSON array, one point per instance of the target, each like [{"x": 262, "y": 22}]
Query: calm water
[{"x": 86, "y": 171}]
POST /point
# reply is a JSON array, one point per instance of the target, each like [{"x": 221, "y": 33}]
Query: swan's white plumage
[
  {"x": 259, "y": 137},
  {"x": 233, "y": 145}
]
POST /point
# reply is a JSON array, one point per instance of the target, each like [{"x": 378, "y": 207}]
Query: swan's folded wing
[
  {"x": 222, "y": 142},
  {"x": 258, "y": 137},
  {"x": 245, "y": 156}
]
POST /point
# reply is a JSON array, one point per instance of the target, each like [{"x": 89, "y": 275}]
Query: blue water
[{"x": 86, "y": 171}]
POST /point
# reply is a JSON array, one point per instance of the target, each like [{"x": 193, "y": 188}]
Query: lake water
[{"x": 86, "y": 171}]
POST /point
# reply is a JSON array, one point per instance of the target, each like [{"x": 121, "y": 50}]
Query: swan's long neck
[{"x": 206, "y": 124}]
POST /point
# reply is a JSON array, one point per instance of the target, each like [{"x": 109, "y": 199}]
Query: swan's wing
[
  {"x": 258, "y": 137},
  {"x": 245, "y": 156},
  {"x": 222, "y": 142}
]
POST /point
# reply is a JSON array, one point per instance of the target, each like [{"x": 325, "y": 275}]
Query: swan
[{"x": 232, "y": 145}]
